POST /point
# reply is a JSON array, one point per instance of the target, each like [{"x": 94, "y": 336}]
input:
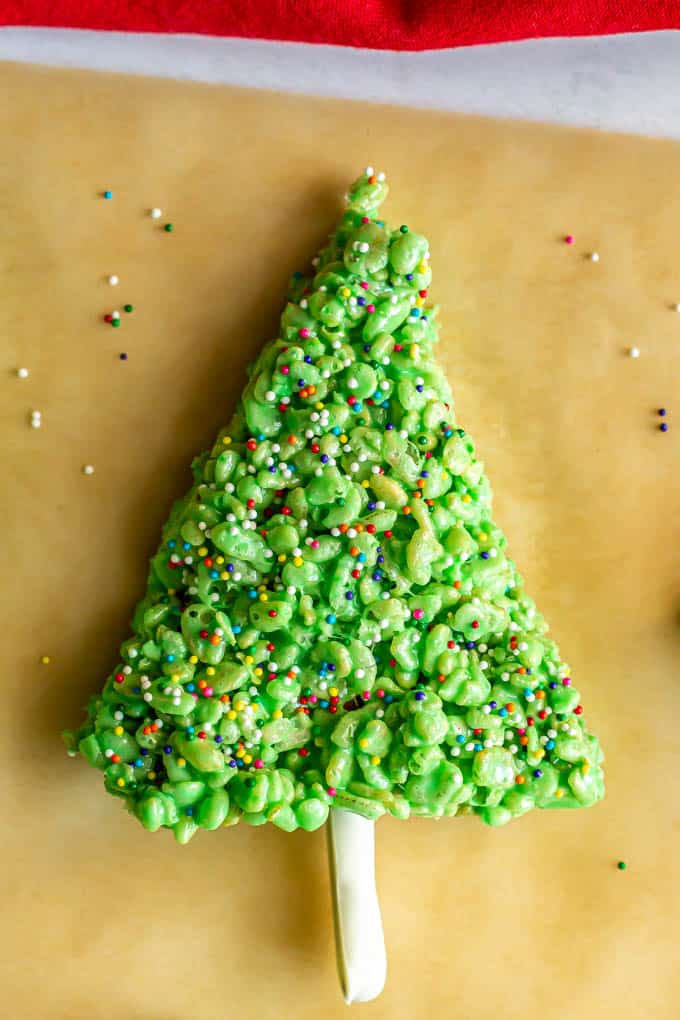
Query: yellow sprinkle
[
  {"x": 333, "y": 691},
  {"x": 203, "y": 551},
  {"x": 175, "y": 678},
  {"x": 483, "y": 536},
  {"x": 249, "y": 660},
  {"x": 263, "y": 597},
  {"x": 467, "y": 498},
  {"x": 181, "y": 762},
  {"x": 365, "y": 483},
  {"x": 375, "y": 760},
  {"x": 346, "y": 292},
  {"x": 226, "y": 440},
  {"x": 419, "y": 302},
  {"x": 277, "y": 713},
  {"x": 119, "y": 731},
  {"x": 120, "y": 782},
  {"x": 343, "y": 438},
  {"x": 262, "y": 587},
  {"x": 193, "y": 659},
  {"x": 239, "y": 705},
  {"x": 151, "y": 776},
  {"x": 415, "y": 350},
  {"x": 585, "y": 768},
  {"x": 45, "y": 660},
  {"x": 540, "y": 754},
  {"x": 319, "y": 405},
  {"x": 240, "y": 753},
  {"x": 363, "y": 742},
  {"x": 219, "y": 559},
  {"x": 231, "y": 714},
  {"x": 247, "y": 759},
  {"x": 224, "y": 576},
  {"x": 210, "y": 671},
  {"x": 559, "y": 794},
  {"x": 282, "y": 558},
  {"x": 259, "y": 672},
  {"x": 422, "y": 266},
  {"x": 297, "y": 561}
]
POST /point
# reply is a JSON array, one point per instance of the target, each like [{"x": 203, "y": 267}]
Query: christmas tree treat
[{"x": 332, "y": 624}]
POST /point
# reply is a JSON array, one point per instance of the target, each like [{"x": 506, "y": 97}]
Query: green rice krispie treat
[{"x": 332, "y": 619}]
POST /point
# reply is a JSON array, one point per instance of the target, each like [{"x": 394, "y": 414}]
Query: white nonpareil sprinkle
[
  {"x": 594, "y": 256},
  {"x": 88, "y": 469},
  {"x": 22, "y": 373},
  {"x": 113, "y": 280},
  {"x": 634, "y": 352},
  {"x": 156, "y": 213}
]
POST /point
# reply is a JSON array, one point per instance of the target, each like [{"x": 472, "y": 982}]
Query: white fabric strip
[{"x": 621, "y": 83}]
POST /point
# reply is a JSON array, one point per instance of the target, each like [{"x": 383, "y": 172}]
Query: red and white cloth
[{"x": 374, "y": 24}]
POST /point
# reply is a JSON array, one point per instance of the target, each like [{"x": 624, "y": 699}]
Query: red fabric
[{"x": 378, "y": 24}]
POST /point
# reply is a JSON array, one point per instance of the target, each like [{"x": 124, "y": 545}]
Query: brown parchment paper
[{"x": 102, "y": 921}]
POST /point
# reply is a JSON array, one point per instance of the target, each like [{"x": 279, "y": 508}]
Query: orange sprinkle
[
  {"x": 358, "y": 528},
  {"x": 457, "y": 584},
  {"x": 115, "y": 758},
  {"x": 225, "y": 698},
  {"x": 202, "y": 684},
  {"x": 539, "y": 694},
  {"x": 354, "y": 551},
  {"x": 292, "y": 440},
  {"x": 524, "y": 741},
  {"x": 407, "y": 509},
  {"x": 304, "y": 394},
  {"x": 519, "y": 780},
  {"x": 372, "y": 179},
  {"x": 214, "y": 640},
  {"x": 417, "y": 495},
  {"x": 311, "y": 390},
  {"x": 510, "y": 707},
  {"x": 521, "y": 670},
  {"x": 343, "y": 528},
  {"x": 420, "y": 483}
]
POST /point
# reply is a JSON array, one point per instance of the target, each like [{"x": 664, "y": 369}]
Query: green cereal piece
[
  {"x": 213, "y": 809},
  {"x": 493, "y": 767},
  {"x": 332, "y": 619},
  {"x": 202, "y": 754},
  {"x": 311, "y": 814}
]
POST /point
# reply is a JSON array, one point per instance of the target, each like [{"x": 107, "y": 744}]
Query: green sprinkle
[
  {"x": 403, "y": 228},
  {"x": 128, "y": 308},
  {"x": 168, "y": 228},
  {"x": 622, "y": 865},
  {"x": 115, "y": 323}
]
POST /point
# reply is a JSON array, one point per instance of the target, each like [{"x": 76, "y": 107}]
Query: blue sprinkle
[
  {"x": 323, "y": 703},
  {"x": 252, "y": 594},
  {"x": 493, "y": 704},
  {"x": 460, "y": 739},
  {"x": 361, "y": 557},
  {"x": 232, "y": 764},
  {"x": 308, "y": 359},
  {"x": 336, "y": 430},
  {"x": 485, "y": 555},
  {"x": 331, "y": 666},
  {"x": 549, "y": 746},
  {"x": 409, "y": 277},
  {"x": 330, "y": 618},
  {"x": 214, "y": 575},
  {"x": 380, "y": 559},
  {"x": 503, "y": 712},
  {"x": 108, "y": 194},
  {"x": 324, "y": 458},
  {"x": 167, "y": 749},
  {"x": 189, "y": 811},
  {"x": 191, "y": 688},
  {"x": 479, "y": 747},
  {"x": 538, "y": 773},
  {"x": 371, "y": 506},
  {"x": 367, "y": 348},
  {"x": 237, "y": 628},
  {"x": 190, "y": 729},
  {"x": 420, "y": 695},
  {"x": 230, "y": 568},
  {"x": 170, "y": 658},
  {"x": 361, "y": 301},
  {"x": 143, "y": 751},
  {"x": 172, "y": 543},
  {"x": 389, "y": 698},
  {"x": 139, "y": 762},
  {"x": 389, "y": 426},
  {"x": 186, "y": 546},
  {"x": 552, "y": 685},
  {"x": 218, "y": 739},
  {"x": 377, "y": 576}
]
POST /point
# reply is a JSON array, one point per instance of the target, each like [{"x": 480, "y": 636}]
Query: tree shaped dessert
[{"x": 331, "y": 622}]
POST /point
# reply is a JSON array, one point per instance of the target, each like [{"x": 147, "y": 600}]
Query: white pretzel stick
[{"x": 359, "y": 939}]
